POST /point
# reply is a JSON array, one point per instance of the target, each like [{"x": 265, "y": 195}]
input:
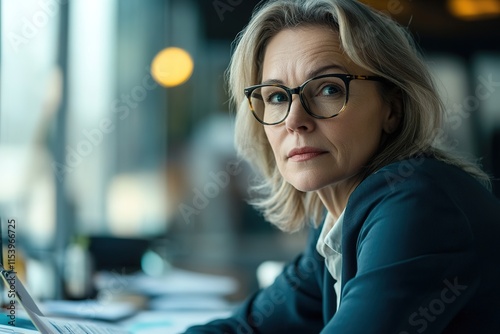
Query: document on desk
[
  {"x": 45, "y": 324},
  {"x": 48, "y": 325},
  {"x": 16, "y": 330},
  {"x": 144, "y": 323}
]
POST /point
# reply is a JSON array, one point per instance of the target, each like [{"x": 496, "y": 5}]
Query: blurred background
[{"x": 116, "y": 138}]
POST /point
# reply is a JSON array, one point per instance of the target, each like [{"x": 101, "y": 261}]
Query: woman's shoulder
[
  {"x": 419, "y": 172},
  {"x": 422, "y": 177},
  {"x": 419, "y": 186}
]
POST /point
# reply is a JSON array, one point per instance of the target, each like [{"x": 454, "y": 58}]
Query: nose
[{"x": 298, "y": 120}]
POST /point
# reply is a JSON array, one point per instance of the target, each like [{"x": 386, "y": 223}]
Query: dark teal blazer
[{"x": 421, "y": 254}]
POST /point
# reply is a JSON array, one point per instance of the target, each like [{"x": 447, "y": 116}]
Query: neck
[{"x": 335, "y": 197}]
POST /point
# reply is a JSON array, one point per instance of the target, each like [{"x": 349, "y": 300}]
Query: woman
[{"x": 340, "y": 115}]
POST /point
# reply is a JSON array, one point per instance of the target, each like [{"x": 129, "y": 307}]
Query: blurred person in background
[{"x": 338, "y": 114}]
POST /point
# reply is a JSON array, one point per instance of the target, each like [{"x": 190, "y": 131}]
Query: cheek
[
  {"x": 366, "y": 117},
  {"x": 274, "y": 139},
  {"x": 357, "y": 136}
]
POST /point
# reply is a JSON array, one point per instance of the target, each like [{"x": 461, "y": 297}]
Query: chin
[
  {"x": 310, "y": 180},
  {"x": 308, "y": 184},
  {"x": 306, "y": 187}
]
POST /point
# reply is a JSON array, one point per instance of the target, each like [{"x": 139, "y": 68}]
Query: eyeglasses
[{"x": 322, "y": 97}]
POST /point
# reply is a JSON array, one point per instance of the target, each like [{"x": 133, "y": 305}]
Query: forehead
[{"x": 295, "y": 53}]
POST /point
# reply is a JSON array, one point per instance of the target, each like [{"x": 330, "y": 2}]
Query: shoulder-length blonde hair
[{"x": 372, "y": 41}]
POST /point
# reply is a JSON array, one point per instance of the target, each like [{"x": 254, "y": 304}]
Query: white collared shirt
[{"x": 329, "y": 245}]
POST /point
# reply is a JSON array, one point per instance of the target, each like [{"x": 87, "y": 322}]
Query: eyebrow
[{"x": 310, "y": 74}]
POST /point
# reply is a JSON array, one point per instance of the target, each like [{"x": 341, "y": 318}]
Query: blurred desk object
[
  {"x": 175, "y": 282},
  {"x": 172, "y": 322},
  {"x": 90, "y": 309},
  {"x": 174, "y": 301},
  {"x": 117, "y": 253}
]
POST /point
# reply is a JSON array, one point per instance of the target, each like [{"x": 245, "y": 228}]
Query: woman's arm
[{"x": 292, "y": 304}]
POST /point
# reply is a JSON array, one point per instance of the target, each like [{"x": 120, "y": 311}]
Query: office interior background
[{"x": 98, "y": 149}]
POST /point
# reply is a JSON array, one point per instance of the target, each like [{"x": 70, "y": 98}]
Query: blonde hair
[{"x": 372, "y": 41}]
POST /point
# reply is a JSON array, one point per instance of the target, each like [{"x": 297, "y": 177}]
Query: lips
[{"x": 304, "y": 153}]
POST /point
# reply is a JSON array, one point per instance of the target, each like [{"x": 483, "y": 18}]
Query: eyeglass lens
[{"x": 322, "y": 97}]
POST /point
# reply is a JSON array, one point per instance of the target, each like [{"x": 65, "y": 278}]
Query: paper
[{"x": 15, "y": 330}]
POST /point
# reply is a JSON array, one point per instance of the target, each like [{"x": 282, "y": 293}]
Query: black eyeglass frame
[{"x": 347, "y": 78}]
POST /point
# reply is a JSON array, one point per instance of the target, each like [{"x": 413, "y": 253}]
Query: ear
[{"x": 393, "y": 116}]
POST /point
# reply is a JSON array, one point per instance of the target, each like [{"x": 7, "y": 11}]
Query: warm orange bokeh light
[
  {"x": 474, "y": 9},
  {"x": 172, "y": 67}
]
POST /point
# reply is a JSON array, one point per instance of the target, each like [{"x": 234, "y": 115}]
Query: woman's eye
[
  {"x": 277, "y": 98},
  {"x": 330, "y": 90}
]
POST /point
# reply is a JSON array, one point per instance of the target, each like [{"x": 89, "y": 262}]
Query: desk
[
  {"x": 146, "y": 322},
  {"x": 175, "y": 302}
]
